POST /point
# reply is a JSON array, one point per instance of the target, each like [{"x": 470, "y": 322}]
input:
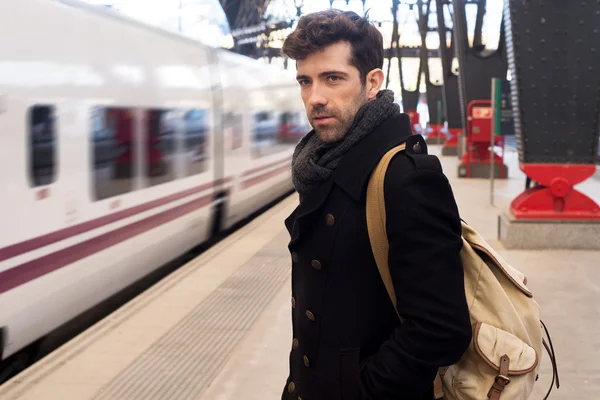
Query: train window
[
  {"x": 43, "y": 143},
  {"x": 161, "y": 145},
  {"x": 233, "y": 130},
  {"x": 113, "y": 151},
  {"x": 195, "y": 138},
  {"x": 276, "y": 131}
]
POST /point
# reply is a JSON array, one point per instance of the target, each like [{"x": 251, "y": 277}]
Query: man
[{"x": 348, "y": 342}]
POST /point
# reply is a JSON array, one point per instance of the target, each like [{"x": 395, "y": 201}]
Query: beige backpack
[{"x": 504, "y": 356}]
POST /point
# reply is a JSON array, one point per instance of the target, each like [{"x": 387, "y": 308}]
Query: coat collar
[{"x": 354, "y": 169}]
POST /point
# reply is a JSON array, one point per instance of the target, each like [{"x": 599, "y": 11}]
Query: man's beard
[{"x": 342, "y": 120}]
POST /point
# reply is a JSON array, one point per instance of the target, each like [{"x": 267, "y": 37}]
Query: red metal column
[
  {"x": 555, "y": 197},
  {"x": 556, "y": 116}
]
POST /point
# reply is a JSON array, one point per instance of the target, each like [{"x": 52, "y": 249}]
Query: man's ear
[{"x": 374, "y": 83}]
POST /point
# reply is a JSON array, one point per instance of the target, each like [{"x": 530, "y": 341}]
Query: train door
[
  {"x": 236, "y": 132},
  {"x": 217, "y": 133},
  {"x": 29, "y": 208}
]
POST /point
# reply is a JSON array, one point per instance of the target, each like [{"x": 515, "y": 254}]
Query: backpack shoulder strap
[
  {"x": 378, "y": 236},
  {"x": 376, "y": 221}
]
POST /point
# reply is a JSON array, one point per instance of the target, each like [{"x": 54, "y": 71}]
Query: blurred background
[{"x": 257, "y": 28}]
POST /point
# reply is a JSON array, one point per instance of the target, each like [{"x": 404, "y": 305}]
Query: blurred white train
[{"x": 122, "y": 146}]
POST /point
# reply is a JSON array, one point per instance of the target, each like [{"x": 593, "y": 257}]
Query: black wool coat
[{"x": 348, "y": 343}]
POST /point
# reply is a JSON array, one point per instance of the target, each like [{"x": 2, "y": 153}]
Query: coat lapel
[
  {"x": 304, "y": 216},
  {"x": 353, "y": 171}
]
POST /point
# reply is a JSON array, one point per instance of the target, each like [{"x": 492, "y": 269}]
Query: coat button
[
  {"x": 294, "y": 257},
  {"x": 329, "y": 220},
  {"x": 295, "y": 344},
  {"x": 291, "y": 387},
  {"x": 293, "y": 302},
  {"x": 306, "y": 362},
  {"x": 417, "y": 148},
  {"x": 315, "y": 264},
  {"x": 310, "y": 315}
]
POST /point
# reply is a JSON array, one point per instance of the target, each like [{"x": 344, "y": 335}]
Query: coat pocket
[{"x": 349, "y": 373}]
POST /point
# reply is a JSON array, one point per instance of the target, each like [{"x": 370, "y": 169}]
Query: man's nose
[{"x": 317, "y": 98}]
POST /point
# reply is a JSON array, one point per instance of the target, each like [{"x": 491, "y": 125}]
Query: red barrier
[
  {"x": 436, "y": 132},
  {"x": 479, "y": 136},
  {"x": 414, "y": 118},
  {"x": 452, "y": 140},
  {"x": 555, "y": 197}
]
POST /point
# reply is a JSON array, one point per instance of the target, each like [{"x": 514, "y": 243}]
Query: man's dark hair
[{"x": 318, "y": 30}]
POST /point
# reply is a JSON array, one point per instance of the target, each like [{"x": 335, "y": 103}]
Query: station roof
[{"x": 242, "y": 13}]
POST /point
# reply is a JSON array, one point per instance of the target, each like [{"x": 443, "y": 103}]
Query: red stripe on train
[
  {"x": 56, "y": 236},
  {"x": 263, "y": 177},
  {"x": 31, "y": 270},
  {"x": 251, "y": 171},
  {"x": 35, "y": 243}
]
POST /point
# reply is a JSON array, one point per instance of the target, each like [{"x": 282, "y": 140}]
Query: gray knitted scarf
[{"x": 314, "y": 161}]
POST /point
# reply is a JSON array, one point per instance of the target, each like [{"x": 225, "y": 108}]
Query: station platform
[{"x": 219, "y": 328}]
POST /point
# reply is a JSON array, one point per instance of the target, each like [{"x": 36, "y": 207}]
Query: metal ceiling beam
[{"x": 242, "y": 13}]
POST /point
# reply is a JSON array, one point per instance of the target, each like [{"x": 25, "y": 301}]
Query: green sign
[{"x": 502, "y": 115}]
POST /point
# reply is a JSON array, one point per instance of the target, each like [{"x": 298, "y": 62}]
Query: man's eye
[
  {"x": 303, "y": 82},
  {"x": 333, "y": 78}
]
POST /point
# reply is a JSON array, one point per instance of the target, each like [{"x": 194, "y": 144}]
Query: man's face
[{"x": 332, "y": 90}]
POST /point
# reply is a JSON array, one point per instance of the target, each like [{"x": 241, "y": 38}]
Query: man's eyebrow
[
  {"x": 323, "y": 74},
  {"x": 333, "y": 72}
]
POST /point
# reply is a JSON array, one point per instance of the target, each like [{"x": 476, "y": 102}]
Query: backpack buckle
[{"x": 502, "y": 380}]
